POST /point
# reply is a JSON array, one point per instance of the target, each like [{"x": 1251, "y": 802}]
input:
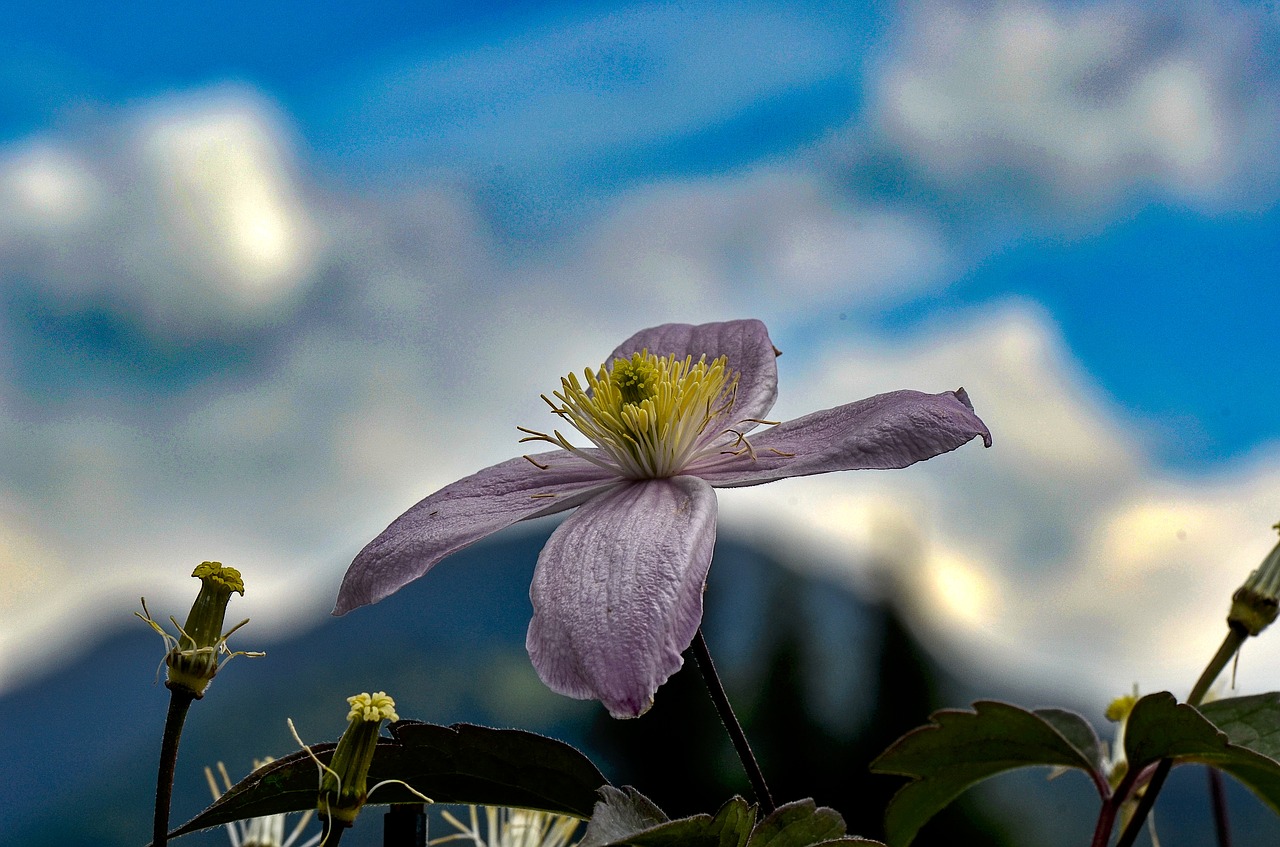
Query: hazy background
[{"x": 270, "y": 275}]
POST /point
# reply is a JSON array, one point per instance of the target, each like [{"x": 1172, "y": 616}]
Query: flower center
[{"x": 651, "y": 417}]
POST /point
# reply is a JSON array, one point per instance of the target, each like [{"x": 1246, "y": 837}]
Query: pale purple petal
[
  {"x": 617, "y": 595},
  {"x": 886, "y": 431},
  {"x": 746, "y": 344},
  {"x": 464, "y": 512}
]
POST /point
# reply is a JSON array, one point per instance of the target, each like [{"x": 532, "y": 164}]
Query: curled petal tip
[
  {"x": 963, "y": 397},
  {"x": 627, "y": 711}
]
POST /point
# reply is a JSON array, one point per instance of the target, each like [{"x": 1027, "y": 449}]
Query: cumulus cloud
[
  {"x": 405, "y": 342},
  {"x": 778, "y": 240},
  {"x": 422, "y": 344},
  {"x": 1060, "y": 554},
  {"x": 187, "y": 216},
  {"x": 1080, "y": 107}
]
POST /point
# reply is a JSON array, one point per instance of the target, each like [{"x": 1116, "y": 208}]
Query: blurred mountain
[{"x": 822, "y": 679}]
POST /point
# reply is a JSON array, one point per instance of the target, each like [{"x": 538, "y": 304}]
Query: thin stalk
[
  {"x": 1236, "y": 636},
  {"x": 1218, "y": 799},
  {"x": 731, "y": 725},
  {"x": 179, "y": 703},
  {"x": 332, "y": 833},
  {"x": 1230, "y": 646},
  {"x": 1111, "y": 808}
]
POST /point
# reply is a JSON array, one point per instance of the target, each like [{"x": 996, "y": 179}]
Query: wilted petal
[
  {"x": 886, "y": 431},
  {"x": 746, "y": 344},
  {"x": 462, "y": 513},
  {"x": 617, "y": 595}
]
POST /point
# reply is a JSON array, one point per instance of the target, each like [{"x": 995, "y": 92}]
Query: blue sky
[{"x": 268, "y": 277}]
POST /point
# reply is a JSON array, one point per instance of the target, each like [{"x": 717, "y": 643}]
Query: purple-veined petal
[
  {"x": 746, "y": 344},
  {"x": 462, "y": 513},
  {"x": 886, "y": 431},
  {"x": 617, "y": 594}
]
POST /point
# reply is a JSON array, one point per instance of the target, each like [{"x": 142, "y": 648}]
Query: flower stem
[
  {"x": 179, "y": 703},
  {"x": 1230, "y": 646},
  {"x": 1236, "y": 636},
  {"x": 332, "y": 832},
  {"x": 1111, "y": 808},
  {"x": 1218, "y": 797},
  {"x": 731, "y": 725}
]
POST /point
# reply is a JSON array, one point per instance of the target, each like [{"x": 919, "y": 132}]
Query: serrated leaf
[
  {"x": 455, "y": 764},
  {"x": 729, "y": 827},
  {"x": 1162, "y": 728},
  {"x": 961, "y": 748},
  {"x": 798, "y": 824},
  {"x": 1079, "y": 732},
  {"x": 1252, "y": 722}
]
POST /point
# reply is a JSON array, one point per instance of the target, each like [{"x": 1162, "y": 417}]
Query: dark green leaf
[
  {"x": 457, "y": 764},
  {"x": 1252, "y": 722},
  {"x": 962, "y": 748},
  {"x": 729, "y": 827},
  {"x": 803, "y": 823},
  {"x": 798, "y": 824},
  {"x": 1162, "y": 728},
  {"x": 1079, "y": 732}
]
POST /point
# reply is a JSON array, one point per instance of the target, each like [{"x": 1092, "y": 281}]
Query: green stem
[
  {"x": 1230, "y": 646},
  {"x": 179, "y": 703},
  {"x": 1236, "y": 636},
  {"x": 731, "y": 725}
]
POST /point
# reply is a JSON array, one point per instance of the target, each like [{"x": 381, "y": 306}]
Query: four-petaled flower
[{"x": 617, "y": 593}]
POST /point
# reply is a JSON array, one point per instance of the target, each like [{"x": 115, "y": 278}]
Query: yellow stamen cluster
[
  {"x": 650, "y": 416},
  {"x": 372, "y": 708}
]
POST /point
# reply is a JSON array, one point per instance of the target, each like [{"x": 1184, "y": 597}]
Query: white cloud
[
  {"x": 777, "y": 242},
  {"x": 1083, "y": 106},
  {"x": 188, "y": 217},
  {"x": 433, "y": 343},
  {"x": 1059, "y": 555}
]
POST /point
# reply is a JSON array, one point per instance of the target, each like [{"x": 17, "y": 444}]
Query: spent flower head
[
  {"x": 510, "y": 828},
  {"x": 200, "y": 649},
  {"x": 1256, "y": 603},
  {"x": 670, "y": 415},
  {"x": 343, "y": 787}
]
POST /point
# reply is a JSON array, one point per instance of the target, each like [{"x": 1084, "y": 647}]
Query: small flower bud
[
  {"x": 1256, "y": 603},
  {"x": 343, "y": 788}
]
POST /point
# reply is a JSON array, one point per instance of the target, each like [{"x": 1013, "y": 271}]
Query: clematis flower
[{"x": 671, "y": 415}]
